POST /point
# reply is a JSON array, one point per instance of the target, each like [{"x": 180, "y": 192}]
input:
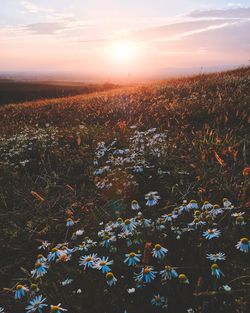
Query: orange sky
[{"x": 94, "y": 39}]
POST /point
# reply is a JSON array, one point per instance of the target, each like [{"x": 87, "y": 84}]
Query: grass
[
  {"x": 47, "y": 149},
  {"x": 15, "y": 92}
]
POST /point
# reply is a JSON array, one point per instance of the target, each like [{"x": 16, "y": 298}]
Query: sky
[{"x": 122, "y": 37}]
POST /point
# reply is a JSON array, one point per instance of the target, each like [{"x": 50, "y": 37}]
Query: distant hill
[{"x": 12, "y": 91}]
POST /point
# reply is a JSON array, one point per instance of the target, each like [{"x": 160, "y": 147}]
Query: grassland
[
  {"x": 12, "y": 91},
  {"x": 47, "y": 149}
]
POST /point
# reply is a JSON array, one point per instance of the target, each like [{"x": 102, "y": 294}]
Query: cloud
[
  {"x": 196, "y": 31},
  {"x": 46, "y": 28},
  {"x": 33, "y": 8},
  {"x": 232, "y": 12},
  {"x": 50, "y": 28}
]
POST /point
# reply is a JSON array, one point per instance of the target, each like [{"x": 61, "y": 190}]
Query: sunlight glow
[{"x": 124, "y": 51}]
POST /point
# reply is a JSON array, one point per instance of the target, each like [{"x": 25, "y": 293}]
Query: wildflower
[
  {"x": 193, "y": 205},
  {"x": 36, "y": 304},
  {"x": 66, "y": 282},
  {"x": 146, "y": 275},
  {"x": 1, "y": 309},
  {"x": 79, "y": 232},
  {"x": 240, "y": 221},
  {"x": 212, "y": 233},
  {"x": 158, "y": 301},
  {"x": 215, "y": 271},
  {"x": 88, "y": 260},
  {"x": 54, "y": 254},
  {"x": 69, "y": 222},
  {"x": 131, "y": 290},
  {"x": 238, "y": 214},
  {"x": 159, "y": 252},
  {"x": 168, "y": 273},
  {"x": 216, "y": 256},
  {"x": 226, "y": 288},
  {"x": 152, "y": 198},
  {"x": 110, "y": 278},
  {"x": 216, "y": 210},
  {"x": 135, "y": 205},
  {"x": 183, "y": 279},
  {"x": 41, "y": 258},
  {"x": 138, "y": 168},
  {"x": 107, "y": 240},
  {"x": 167, "y": 217},
  {"x": 227, "y": 204},
  {"x": 206, "y": 206},
  {"x": 103, "y": 264},
  {"x": 57, "y": 308},
  {"x": 243, "y": 245},
  {"x": 132, "y": 259},
  {"x": 145, "y": 222},
  {"x": 34, "y": 289},
  {"x": 40, "y": 270},
  {"x": 184, "y": 207},
  {"x": 45, "y": 244},
  {"x": 129, "y": 225},
  {"x": 196, "y": 222},
  {"x": 21, "y": 291}
]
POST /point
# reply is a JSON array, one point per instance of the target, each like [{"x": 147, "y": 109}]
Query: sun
[{"x": 123, "y": 51}]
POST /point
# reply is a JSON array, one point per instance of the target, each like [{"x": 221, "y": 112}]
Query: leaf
[
  {"x": 219, "y": 159},
  {"x": 37, "y": 196}
]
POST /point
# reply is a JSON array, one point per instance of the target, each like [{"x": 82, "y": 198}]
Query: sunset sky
[{"x": 122, "y": 36}]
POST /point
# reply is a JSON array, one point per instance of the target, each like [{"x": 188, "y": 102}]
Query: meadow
[
  {"x": 12, "y": 91},
  {"x": 128, "y": 199}
]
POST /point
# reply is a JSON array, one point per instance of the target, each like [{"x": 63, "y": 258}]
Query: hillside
[
  {"x": 12, "y": 91},
  {"x": 47, "y": 149}
]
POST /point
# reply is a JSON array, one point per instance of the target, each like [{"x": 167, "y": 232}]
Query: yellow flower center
[
  {"x": 106, "y": 238},
  {"x": 157, "y": 247},
  {"x": 19, "y": 287},
  {"x": 132, "y": 254},
  {"x": 38, "y": 264},
  {"x": 206, "y": 202},
  {"x": 54, "y": 308},
  {"x": 182, "y": 278},
  {"x": 103, "y": 262},
  {"x": 146, "y": 270},
  {"x": 127, "y": 221},
  {"x": 168, "y": 268},
  {"x": 54, "y": 250},
  {"x": 109, "y": 276},
  {"x": 88, "y": 259},
  {"x": 244, "y": 240},
  {"x": 214, "y": 267},
  {"x": 239, "y": 219}
]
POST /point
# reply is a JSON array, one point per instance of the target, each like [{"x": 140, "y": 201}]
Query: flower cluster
[{"x": 120, "y": 248}]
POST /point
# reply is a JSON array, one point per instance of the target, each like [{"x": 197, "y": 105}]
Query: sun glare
[{"x": 123, "y": 51}]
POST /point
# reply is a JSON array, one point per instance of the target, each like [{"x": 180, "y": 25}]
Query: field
[
  {"x": 12, "y": 91},
  {"x": 70, "y": 165}
]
